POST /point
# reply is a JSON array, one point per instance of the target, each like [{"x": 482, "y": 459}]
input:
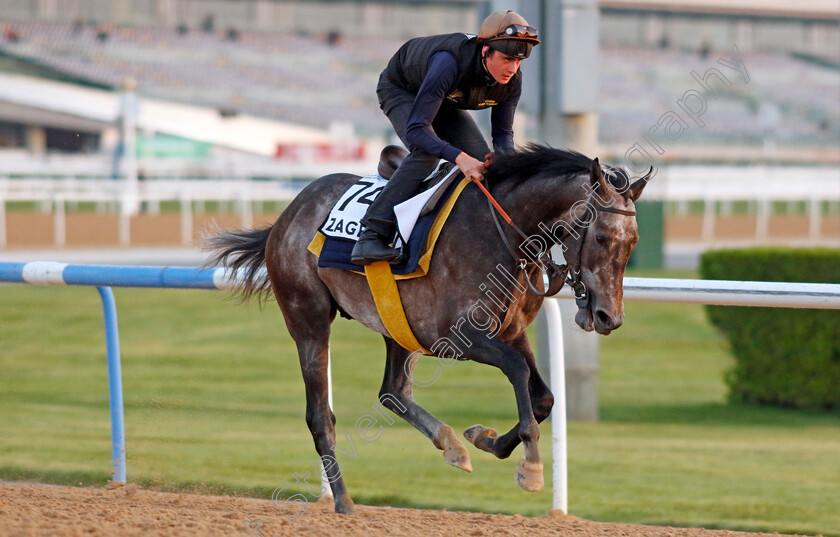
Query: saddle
[
  {"x": 390, "y": 159},
  {"x": 419, "y": 219}
]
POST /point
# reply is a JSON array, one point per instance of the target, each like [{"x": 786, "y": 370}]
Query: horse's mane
[{"x": 534, "y": 159}]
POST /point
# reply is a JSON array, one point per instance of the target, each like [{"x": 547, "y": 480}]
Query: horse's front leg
[
  {"x": 542, "y": 401},
  {"x": 396, "y": 395},
  {"x": 513, "y": 363}
]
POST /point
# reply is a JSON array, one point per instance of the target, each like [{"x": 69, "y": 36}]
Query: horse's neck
[{"x": 543, "y": 200}]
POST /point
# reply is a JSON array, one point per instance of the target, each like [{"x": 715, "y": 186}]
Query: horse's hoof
[
  {"x": 529, "y": 475},
  {"x": 458, "y": 456},
  {"x": 344, "y": 505},
  {"x": 454, "y": 452},
  {"x": 481, "y": 437}
]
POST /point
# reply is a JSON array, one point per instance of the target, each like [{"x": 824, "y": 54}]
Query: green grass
[{"x": 214, "y": 402}]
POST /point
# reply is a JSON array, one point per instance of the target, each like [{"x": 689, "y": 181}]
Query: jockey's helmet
[{"x": 509, "y": 33}]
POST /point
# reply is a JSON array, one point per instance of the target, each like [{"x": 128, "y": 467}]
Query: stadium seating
[{"x": 310, "y": 80}]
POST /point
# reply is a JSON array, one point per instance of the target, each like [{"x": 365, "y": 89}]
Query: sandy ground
[{"x": 126, "y": 510}]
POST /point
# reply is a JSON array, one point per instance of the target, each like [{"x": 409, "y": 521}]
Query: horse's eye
[{"x": 601, "y": 240}]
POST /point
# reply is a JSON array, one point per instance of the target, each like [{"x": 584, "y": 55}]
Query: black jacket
[{"x": 474, "y": 89}]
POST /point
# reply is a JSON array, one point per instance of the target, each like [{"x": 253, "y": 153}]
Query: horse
[{"x": 550, "y": 196}]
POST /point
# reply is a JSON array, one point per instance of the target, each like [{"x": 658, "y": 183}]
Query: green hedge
[{"x": 786, "y": 357}]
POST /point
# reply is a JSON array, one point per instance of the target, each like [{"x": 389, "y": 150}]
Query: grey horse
[{"x": 477, "y": 300}]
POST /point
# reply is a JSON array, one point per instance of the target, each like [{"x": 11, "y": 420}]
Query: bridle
[{"x": 558, "y": 275}]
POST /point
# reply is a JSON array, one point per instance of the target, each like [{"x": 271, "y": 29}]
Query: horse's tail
[{"x": 242, "y": 249}]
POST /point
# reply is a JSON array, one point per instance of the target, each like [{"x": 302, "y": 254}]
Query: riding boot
[{"x": 372, "y": 247}]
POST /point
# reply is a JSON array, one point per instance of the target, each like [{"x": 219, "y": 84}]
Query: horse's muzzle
[
  {"x": 605, "y": 323},
  {"x": 598, "y": 320}
]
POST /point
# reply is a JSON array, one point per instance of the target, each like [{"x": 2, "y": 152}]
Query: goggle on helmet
[{"x": 515, "y": 40}]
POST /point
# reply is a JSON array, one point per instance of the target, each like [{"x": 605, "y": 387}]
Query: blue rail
[
  {"x": 50, "y": 273},
  {"x": 103, "y": 277},
  {"x": 112, "y": 339}
]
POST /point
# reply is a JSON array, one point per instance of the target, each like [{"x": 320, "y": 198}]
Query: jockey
[{"x": 424, "y": 91}]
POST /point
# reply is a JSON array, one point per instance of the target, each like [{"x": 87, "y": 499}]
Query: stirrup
[{"x": 385, "y": 252}]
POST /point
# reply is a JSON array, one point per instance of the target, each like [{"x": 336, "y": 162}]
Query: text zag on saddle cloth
[{"x": 419, "y": 223}]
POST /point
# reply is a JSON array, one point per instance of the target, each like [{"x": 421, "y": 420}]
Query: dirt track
[{"x": 39, "y": 510}]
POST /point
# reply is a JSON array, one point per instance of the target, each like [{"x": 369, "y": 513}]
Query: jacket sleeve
[
  {"x": 501, "y": 119},
  {"x": 440, "y": 78}
]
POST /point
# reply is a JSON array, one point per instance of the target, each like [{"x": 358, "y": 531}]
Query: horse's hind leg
[
  {"x": 395, "y": 394},
  {"x": 320, "y": 418},
  {"x": 308, "y": 316},
  {"x": 542, "y": 401}
]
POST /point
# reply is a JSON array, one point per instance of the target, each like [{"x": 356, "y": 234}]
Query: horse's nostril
[{"x": 604, "y": 318}]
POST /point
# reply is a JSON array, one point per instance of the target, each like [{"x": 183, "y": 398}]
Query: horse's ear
[
  {"x": 636, "y": 188},
  {"x": 596, "y": 177}
]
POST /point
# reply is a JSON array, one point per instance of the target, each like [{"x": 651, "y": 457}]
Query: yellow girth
[{"x": 386, "y": 295}]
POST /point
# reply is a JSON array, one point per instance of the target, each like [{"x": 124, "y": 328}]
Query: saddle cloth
[{"x": 419, "y": 222}]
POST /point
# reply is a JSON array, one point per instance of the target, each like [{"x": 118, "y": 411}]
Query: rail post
[
  {"x": 560, "y": 496},
  {"x": 112, "y": 340}
]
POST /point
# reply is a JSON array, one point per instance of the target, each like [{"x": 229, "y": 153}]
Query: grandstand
[
  {"x": 317, "y": 82},
  {"x": 638, "y": 85},
  {"x": 316, "y": 64},
  {"x": 291, "y": 78}
]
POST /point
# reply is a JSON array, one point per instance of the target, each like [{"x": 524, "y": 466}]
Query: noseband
[
  {"x": 573, "y": 274},
  {"x": 558, "y": 275}
]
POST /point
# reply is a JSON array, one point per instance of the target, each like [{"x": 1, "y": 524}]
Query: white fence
[
  {"x": 713, "y": 292},
  {"x": 682, "y": 184},
  {"x": 55, "y": 185},
  {"x": 55, "y": 195},
  {"x": 761, "y": 185}
]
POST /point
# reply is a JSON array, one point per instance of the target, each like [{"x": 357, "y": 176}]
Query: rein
[{"x": 556, "y": 273}]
